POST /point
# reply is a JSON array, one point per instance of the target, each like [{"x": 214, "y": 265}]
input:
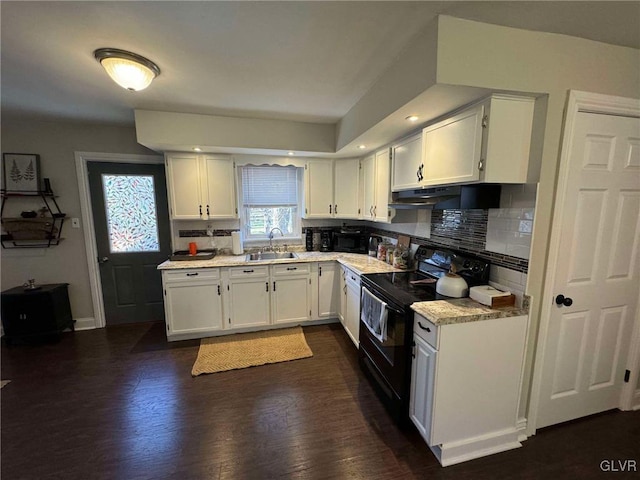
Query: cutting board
[{"x": 404, "y": 240}]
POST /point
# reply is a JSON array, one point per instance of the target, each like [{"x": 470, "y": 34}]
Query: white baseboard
[
  {"x": 218, "y": 333},
  {"x": 521, "y": 427},
  {"x": 482, "y": 446},
  {"x": 87, "y": 323}
]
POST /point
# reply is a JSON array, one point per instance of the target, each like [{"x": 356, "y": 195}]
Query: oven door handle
[{"x": 395, "y": 310}]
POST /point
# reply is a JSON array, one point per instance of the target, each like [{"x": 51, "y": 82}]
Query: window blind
[{"x": 272, "y": 185}]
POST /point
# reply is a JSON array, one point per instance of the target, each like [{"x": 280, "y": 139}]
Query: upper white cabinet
[
  {"x": 201, "y": 187},
  {"x": 376, "y": 186},
  {"x": 318, "y": 183},
  {"x": 487, "y": 142},
  {"x": 332, "y": 188},
  {"x": 346, "y": 197},
  {"x": 408, "y": 167}
]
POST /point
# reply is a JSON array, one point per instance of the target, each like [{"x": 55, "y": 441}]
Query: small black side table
[{"x": 36, "y": 313}]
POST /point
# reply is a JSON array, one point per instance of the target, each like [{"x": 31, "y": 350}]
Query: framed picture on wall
[{"x": 21, "y": 172}]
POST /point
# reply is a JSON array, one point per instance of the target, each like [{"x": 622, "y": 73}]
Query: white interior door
[{"x": 596, "y": 271}]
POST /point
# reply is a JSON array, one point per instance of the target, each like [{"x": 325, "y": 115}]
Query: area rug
[{"x": 242, "y": 350}]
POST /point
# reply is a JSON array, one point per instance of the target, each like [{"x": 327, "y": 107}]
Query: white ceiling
[{"x": 304, "y": 61}]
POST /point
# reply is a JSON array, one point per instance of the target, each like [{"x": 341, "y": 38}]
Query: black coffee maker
[{"x": 326, "y": 240}]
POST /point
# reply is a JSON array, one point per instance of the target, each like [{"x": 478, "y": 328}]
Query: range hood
[{"x": 462, "y": 197}]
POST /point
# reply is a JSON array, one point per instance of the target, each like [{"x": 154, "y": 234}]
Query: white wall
[{"x": 56, "y": 143}]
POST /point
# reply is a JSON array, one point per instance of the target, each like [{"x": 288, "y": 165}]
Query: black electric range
[{"x": 386, "y": 359}]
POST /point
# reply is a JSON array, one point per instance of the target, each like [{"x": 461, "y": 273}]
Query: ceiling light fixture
[
  {"x": 197, "y": 149},
  {"x": 362, "y": 147},
  {"x": 412, "y": 118},
  {"x": 290, "y": 153},
  {"x": 127, "y": 69}
]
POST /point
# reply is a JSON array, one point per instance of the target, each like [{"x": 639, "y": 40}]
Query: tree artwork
[
  {"x": 21, "y": 172},
  {"x": 29, "y": 173},
  {"x": 16, "y": 174}
]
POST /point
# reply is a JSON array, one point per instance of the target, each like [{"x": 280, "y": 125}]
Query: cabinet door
[
  {"x": 193, "y": 307},
  {"x": 248, "y": 302},
  {"x": 291, "y": 299},
  {"x": 319, "y": 189},
  {"x": 407, "y": 163},
  {"x": 328, "y": 290},
  {"x": 352, "y": 320},
  {"x": 343, "y": 296},
  {"x": 452, "y": 148},
  {"x": 184, "y": 186},
  {"x": 347, "y": 188},
  {"x": 423, "y": 371},
  {"x": 218, "y": 185},
  {"x": 382, "y": 187},
  {"x": 368, "y": 186}
]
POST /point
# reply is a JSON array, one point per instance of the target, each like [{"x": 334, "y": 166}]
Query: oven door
[{"x": 389, "y": 355}]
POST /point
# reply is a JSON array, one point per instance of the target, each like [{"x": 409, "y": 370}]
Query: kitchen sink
[{"x": 254, "y": 257}]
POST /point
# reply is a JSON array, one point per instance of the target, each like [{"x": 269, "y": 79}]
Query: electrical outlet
[{"x": 75, "y": 222}]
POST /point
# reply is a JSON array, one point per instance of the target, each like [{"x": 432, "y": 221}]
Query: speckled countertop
[
  {"x": 359, "y": 263},
  {"x": 462, "y": 310}
]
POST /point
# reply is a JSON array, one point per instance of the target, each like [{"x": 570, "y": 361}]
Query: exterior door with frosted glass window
[{"x": 131, "y": 221}]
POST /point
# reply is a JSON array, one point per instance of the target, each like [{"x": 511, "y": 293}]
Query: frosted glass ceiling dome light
[{"x": 127, "y": 69}]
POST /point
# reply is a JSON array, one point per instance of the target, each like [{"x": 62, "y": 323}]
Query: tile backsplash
[{"x": 509, "y": 231}]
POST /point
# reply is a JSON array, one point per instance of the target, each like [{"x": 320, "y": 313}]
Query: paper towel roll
[{"x": 236, "y": 243}]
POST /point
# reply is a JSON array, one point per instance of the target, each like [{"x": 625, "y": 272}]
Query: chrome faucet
[{"x": 271, "y": 237}]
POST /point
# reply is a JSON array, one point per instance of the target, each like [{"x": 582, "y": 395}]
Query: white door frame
[
  {"x": 577, "y": 101},
  {"x": 82, "y": 159}
]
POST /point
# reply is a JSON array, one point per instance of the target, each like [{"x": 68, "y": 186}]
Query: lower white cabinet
[
  {"x": 291, "y": 292},
  {"x": 465, "y": 386},
  {"x": 342, "y": 312},
  {"x": 248, "y": 296},
  {"x": 193, "y": 302},
  {"x": 328, "y": 290},
  {"x": 352, "y": 309}
]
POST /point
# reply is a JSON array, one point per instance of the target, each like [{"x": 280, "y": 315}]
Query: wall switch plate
[{"x": 75, "y": 222}]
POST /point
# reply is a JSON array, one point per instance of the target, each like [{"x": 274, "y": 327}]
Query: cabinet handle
[
  {"x": 207, "y": 210},
  {"x": 481, "y": 164},
  {"x": 200, "y": 209},
  {"x": 248, "y": 271},
  {"x": 274, "y": 286},
  {"x": 218, "y": 289},
  {"x": 335, "y": 209},
  {"x": 375, "y": 210},
  {"x": 192, "y": 274},
  {"x": 319, "y": 271},
  {"x": 371, "y": 210},
  {"x": 329, "y": 208},
  {"x": 424, "y": 328},
  {"x": 485, "y": 121},
  {"x": 295, "y": 268},
  {"x": 266, "y": 286}
]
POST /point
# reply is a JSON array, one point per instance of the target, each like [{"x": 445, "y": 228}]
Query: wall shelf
[{"x": 37, "y": 232}]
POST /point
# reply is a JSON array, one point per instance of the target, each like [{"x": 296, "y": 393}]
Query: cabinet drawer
[
  {"x": 192, "y": 274},
  {"x": 291, "y": 269},
  {"x": 249, "y": 271},
  {"x": 426, "y": 330},
  {"x": 352, "y": 278}
]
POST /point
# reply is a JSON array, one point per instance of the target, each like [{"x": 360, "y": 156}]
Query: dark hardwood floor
[{"x": 120, "y": 403}]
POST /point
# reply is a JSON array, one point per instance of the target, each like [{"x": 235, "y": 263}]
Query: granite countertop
[
  {"x": 462, "y": 310},
  {"x": 359, "y": 263}
]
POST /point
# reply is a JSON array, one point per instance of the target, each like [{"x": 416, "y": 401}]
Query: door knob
[
  {"x": 103, "y": 259},
  {"x": 562, "y": 300}
]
